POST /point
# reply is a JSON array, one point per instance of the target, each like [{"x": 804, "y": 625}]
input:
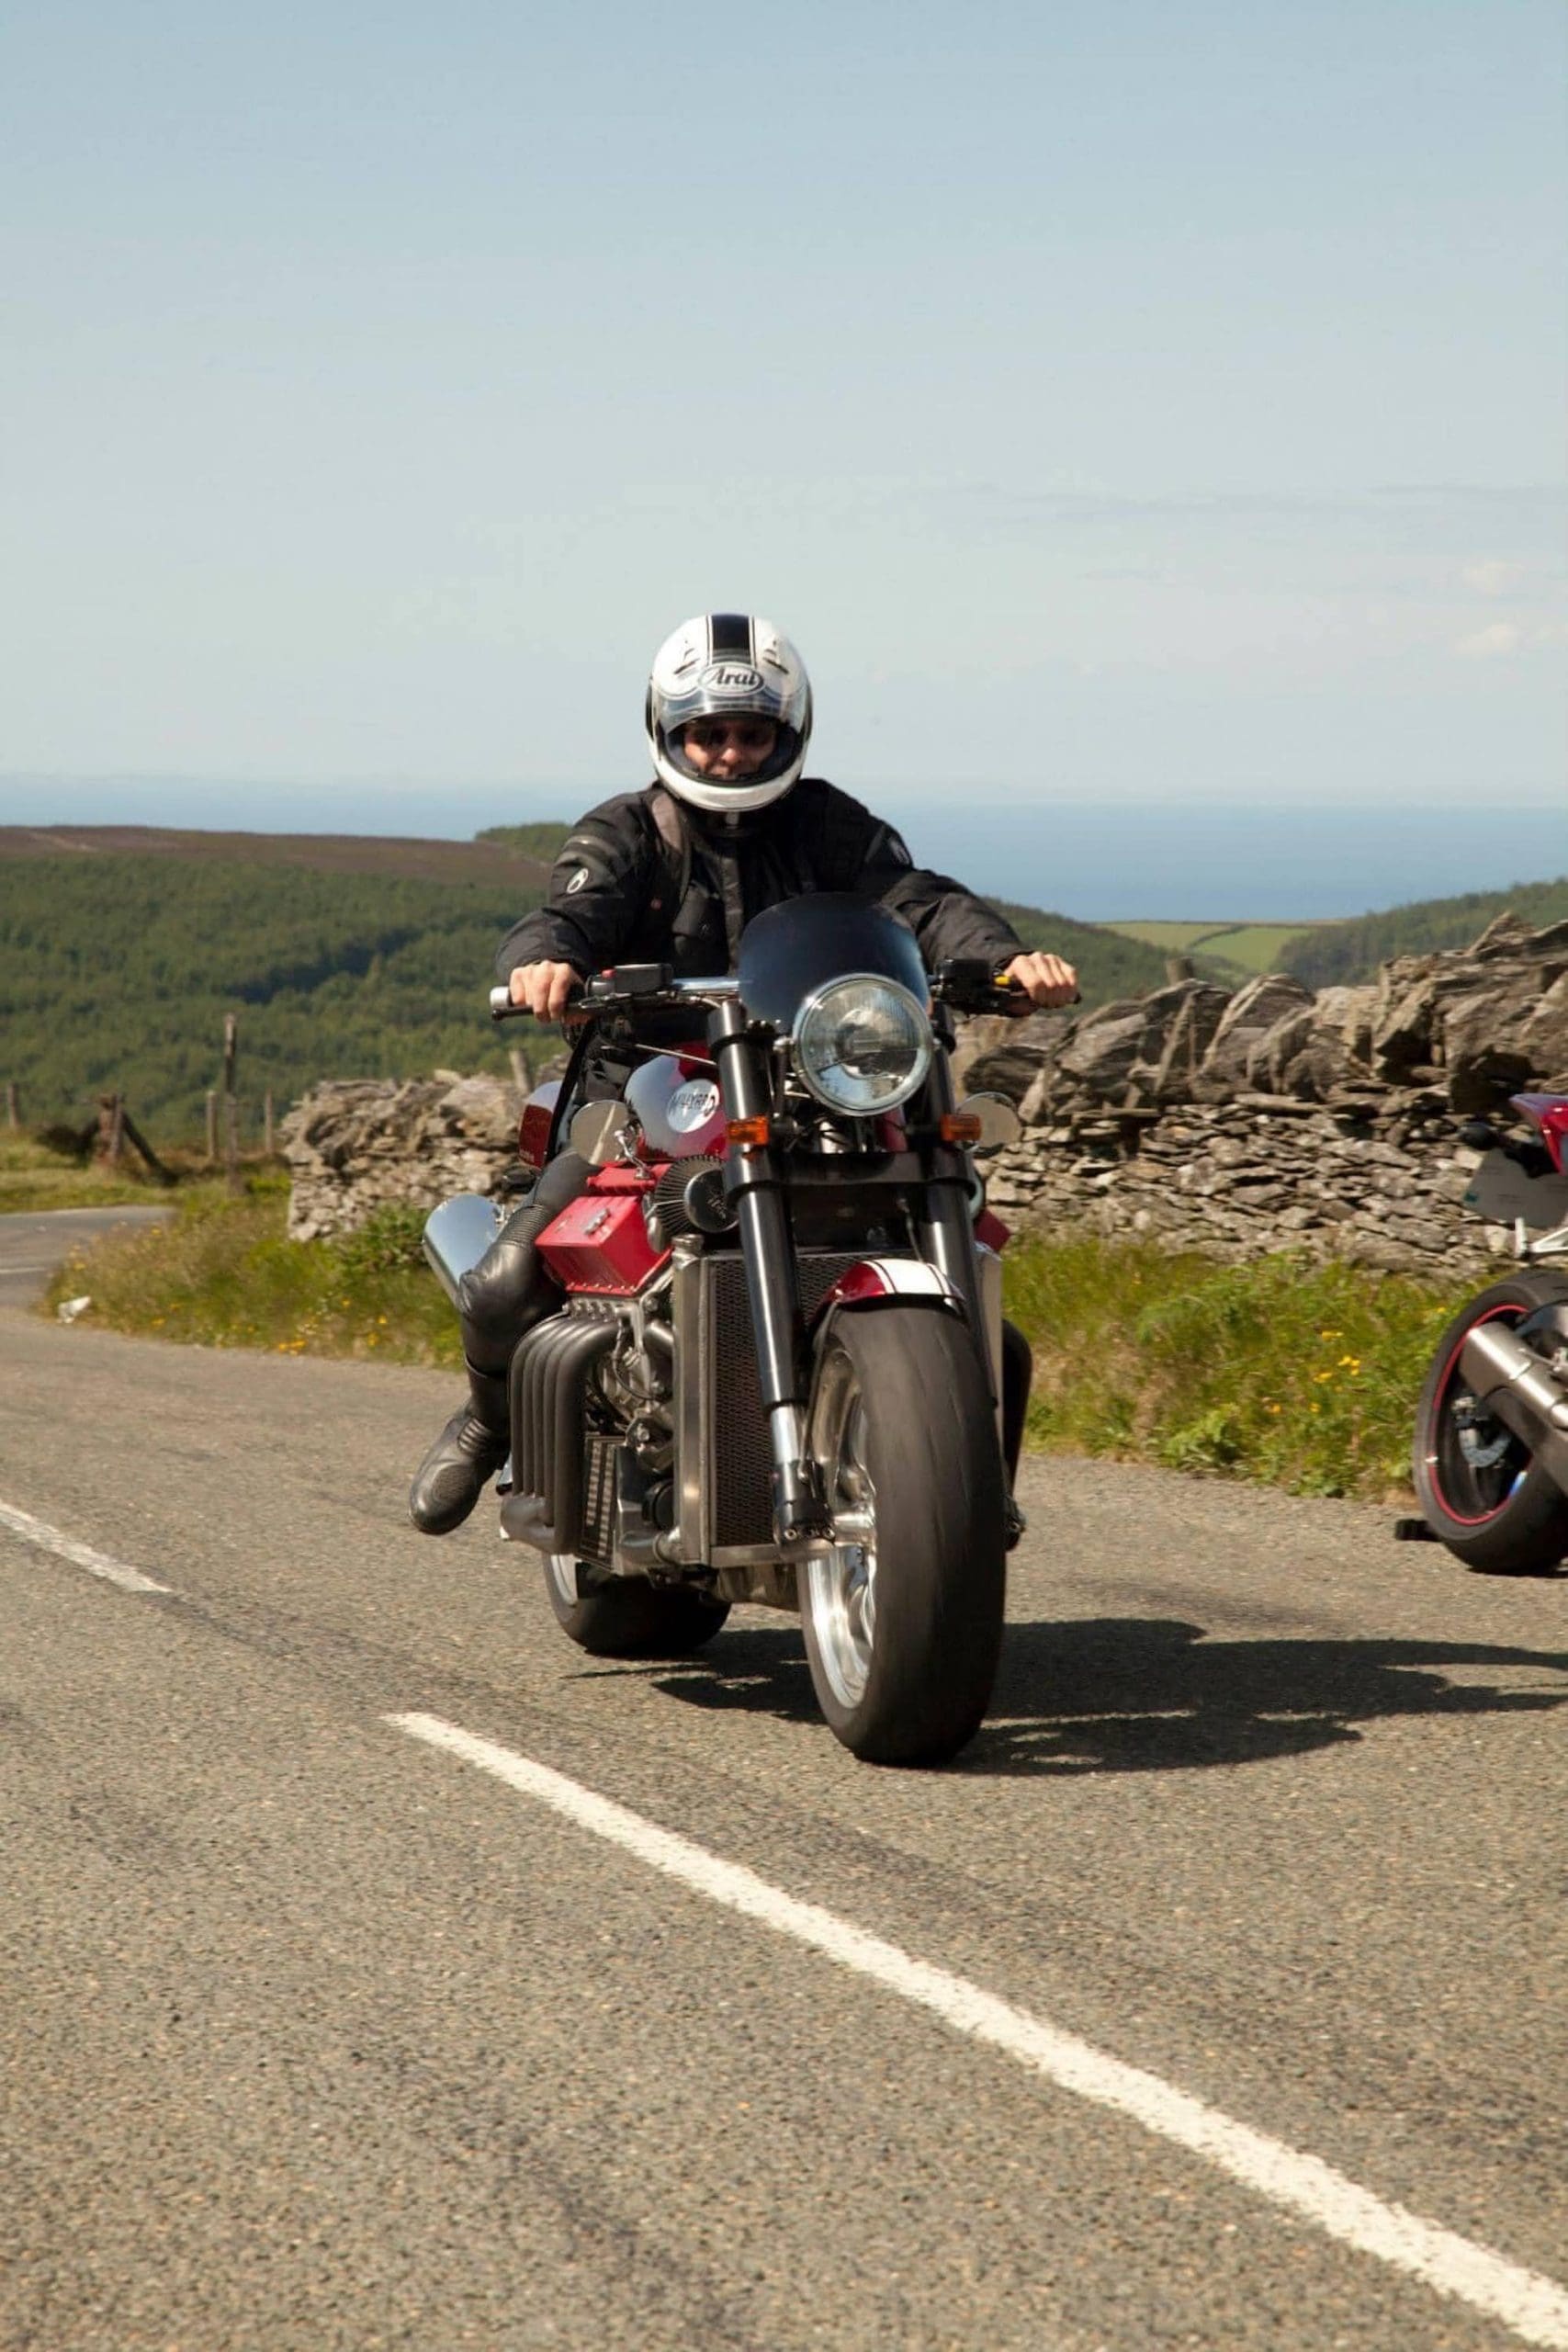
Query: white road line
[
  {"x": 1534, "y": 2307},
  {"x": 81, "y": 1555}
]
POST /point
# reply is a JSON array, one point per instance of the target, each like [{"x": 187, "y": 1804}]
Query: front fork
[{"x": 754, "y": 1180}]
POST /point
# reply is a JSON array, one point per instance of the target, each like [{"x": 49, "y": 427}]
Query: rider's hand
[
  {"x": 543, "y": 988},
  {"x": 1044, "y": 978}
]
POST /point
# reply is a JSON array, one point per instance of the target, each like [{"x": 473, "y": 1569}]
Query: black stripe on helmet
[{"x": 731, "y": 633}]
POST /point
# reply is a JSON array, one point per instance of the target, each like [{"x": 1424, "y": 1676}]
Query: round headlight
[{"x": 863, "y": 1044}]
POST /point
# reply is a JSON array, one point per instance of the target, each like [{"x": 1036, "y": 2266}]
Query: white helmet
[{"x": 728, "y": 665}]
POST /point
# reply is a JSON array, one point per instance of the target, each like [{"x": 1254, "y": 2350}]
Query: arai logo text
[{"x": 731, "y": 678}]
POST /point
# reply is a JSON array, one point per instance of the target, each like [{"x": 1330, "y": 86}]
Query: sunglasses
[{"x": 719, "y": 734}]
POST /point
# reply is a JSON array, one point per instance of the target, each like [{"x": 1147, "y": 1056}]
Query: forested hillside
[
  {"x": 1352, "y": 951},
  {"x": 122, "y": 951},
  {"x": 117, "y": 971}
]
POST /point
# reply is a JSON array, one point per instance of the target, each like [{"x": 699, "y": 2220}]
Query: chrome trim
[
  {"x": 690, "y": 1485},
  {"x": 457, "y": 1235}
]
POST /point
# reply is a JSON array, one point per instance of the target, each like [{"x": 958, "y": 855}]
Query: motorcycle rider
[{"x": 672, "y": 874}]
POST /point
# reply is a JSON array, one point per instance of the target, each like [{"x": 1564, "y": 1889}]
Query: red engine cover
[{"x": 599, "y": 1243}]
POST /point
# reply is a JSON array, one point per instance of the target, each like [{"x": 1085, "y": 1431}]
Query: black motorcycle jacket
[{"x": 645, "y": 878}]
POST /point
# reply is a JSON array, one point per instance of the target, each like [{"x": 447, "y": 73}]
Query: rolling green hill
[
  {"x": 121, "y": 950},
  {"x": 1340, "y": 952}
]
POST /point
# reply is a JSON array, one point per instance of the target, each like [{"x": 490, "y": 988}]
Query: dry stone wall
[
  {"x": 1270, "y": 1119},
  {"x": 354, "y": 1145}
]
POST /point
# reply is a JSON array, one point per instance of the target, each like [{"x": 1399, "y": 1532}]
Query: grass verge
[
  {"x": 224, "y": 1273},
  {"x": 1297, "y": 1375},
  {"x": 32, "y": 1177}
]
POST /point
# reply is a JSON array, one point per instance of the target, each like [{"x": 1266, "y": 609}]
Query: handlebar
[
  {"x": 624, "y": 984},
  {"x": 969, "y": 984}
]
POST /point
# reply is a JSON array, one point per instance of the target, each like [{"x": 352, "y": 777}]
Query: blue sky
[{"x": 1118, "y": 403}]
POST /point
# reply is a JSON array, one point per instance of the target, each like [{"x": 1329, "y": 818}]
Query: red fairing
[
  {"x": 599, "y": 1244},
  {"x": 533, "y": 1128},
  {"x": 990, "y": 1232},
  {"x": 1548, "y": 1114}
]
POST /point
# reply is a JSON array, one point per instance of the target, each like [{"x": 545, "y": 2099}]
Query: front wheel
[
  {"x": 903, "y": 1616},
  {"x": 627, "y": 1617},
  {"x": 1482, "y": 1491}
]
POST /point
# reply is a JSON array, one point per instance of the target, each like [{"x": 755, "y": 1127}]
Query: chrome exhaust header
[
  {"x": 456, "y": 1236},
  {"x": 1515, "y": 1385}
]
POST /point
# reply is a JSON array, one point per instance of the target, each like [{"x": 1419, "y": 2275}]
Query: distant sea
[
  {"x": 1181, "y": 862},
  {"x": 1197, "y": 863}
]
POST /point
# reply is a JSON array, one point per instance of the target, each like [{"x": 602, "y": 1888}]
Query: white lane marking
[
  {"x": 1535, "y": 2308},
  {"x": 82, "y": 1555}
]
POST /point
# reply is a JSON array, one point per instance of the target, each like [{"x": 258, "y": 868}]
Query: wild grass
[
  {"x": 223, "y": 1273},
  {"x": 33, "y": 1176},
  {"x": 1300, "y": 1376}
]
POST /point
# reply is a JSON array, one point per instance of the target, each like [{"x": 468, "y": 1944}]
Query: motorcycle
[
  {"x": 1491, "y": 1450},
  {"x": 777, "y": 1374}
]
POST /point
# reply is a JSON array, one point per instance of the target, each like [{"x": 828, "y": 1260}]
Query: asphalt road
[{"x": 316, "y": 2035}]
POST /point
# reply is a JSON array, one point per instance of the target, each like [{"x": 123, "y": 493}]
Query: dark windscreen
[{"x": 795, "y": 948}]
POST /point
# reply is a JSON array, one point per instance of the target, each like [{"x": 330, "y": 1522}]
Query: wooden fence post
[
  {"x": 522, "y": 1077},
  {"x": 230, "y": 1107},
  {"x": 12, "y": 1103},
  {"x": 111, "y": 1127},
  {"x": 266, "y": 1123},
  {"x": 211, "y": 1126}
]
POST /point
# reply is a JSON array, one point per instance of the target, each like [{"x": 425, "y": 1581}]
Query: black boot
[{"x": 469, "y": 1452}]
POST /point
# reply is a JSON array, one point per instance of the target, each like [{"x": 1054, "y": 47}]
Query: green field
[{"x": 1239, "y": 948}]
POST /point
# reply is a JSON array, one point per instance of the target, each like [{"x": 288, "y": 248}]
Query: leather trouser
[{"x": 510, "y": 1289}]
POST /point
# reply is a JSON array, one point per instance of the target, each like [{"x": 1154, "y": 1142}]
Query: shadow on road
[{"x": 1137, "y": 1694}]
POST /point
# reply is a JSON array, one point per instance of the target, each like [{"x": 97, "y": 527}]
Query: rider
[{"x": 672, "y": 874}]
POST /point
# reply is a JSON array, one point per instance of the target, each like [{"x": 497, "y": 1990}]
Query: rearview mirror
[{"x": 999, "y": 1121}]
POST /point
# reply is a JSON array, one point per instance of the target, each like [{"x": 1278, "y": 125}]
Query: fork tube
[
  {"x": 754, "y": 1180},
  {"x": 946, "y": 1231}
]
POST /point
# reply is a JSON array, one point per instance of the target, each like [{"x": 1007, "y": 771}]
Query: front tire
[
  {"x": 1482, "y": 1491},
  {"x": 902, "y": 1618},
  {"x": 628, "y": 1617}
]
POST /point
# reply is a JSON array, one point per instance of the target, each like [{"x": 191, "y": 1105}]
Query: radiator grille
[{"x": 735, "y": 1445}]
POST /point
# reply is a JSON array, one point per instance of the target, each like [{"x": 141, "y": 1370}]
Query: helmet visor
[{"x": 732, "y": 701}]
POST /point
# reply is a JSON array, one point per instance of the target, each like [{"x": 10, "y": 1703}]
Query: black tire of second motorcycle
[
  {"x": 1525, "y": 1531},
  {"x": 626, "y": 1617}
]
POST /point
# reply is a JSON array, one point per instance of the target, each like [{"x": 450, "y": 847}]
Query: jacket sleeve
[
  {"x": 947, "y": 919},
  {"x": 598, "y": 885}
]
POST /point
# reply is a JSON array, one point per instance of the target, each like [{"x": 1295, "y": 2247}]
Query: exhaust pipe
[
  {"x": 1514, "y": 1385},
  {"x": 456, "y": 1236}
]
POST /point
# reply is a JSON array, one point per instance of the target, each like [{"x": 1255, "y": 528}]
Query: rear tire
[
  {"x": 628, "y": 1617},
  {"x": 1482, "y": 1491},
  {"x": 903, "y": 1620}
]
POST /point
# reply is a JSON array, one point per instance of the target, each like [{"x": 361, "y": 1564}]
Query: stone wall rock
[
  {"x": 1325, "y": 1124},
  {"x": 354, "y": 1145}
]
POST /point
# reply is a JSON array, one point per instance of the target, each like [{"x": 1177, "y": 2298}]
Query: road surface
[{"x": 340, "y": 2011}]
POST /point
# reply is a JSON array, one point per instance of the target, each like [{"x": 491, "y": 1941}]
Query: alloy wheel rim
[{"x": 841, "y": 1582}]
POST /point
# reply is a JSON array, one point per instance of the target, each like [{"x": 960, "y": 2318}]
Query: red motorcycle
[
  {"x": 1491, "y": 1454},
  {"x": 777, "y": 1377}
]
